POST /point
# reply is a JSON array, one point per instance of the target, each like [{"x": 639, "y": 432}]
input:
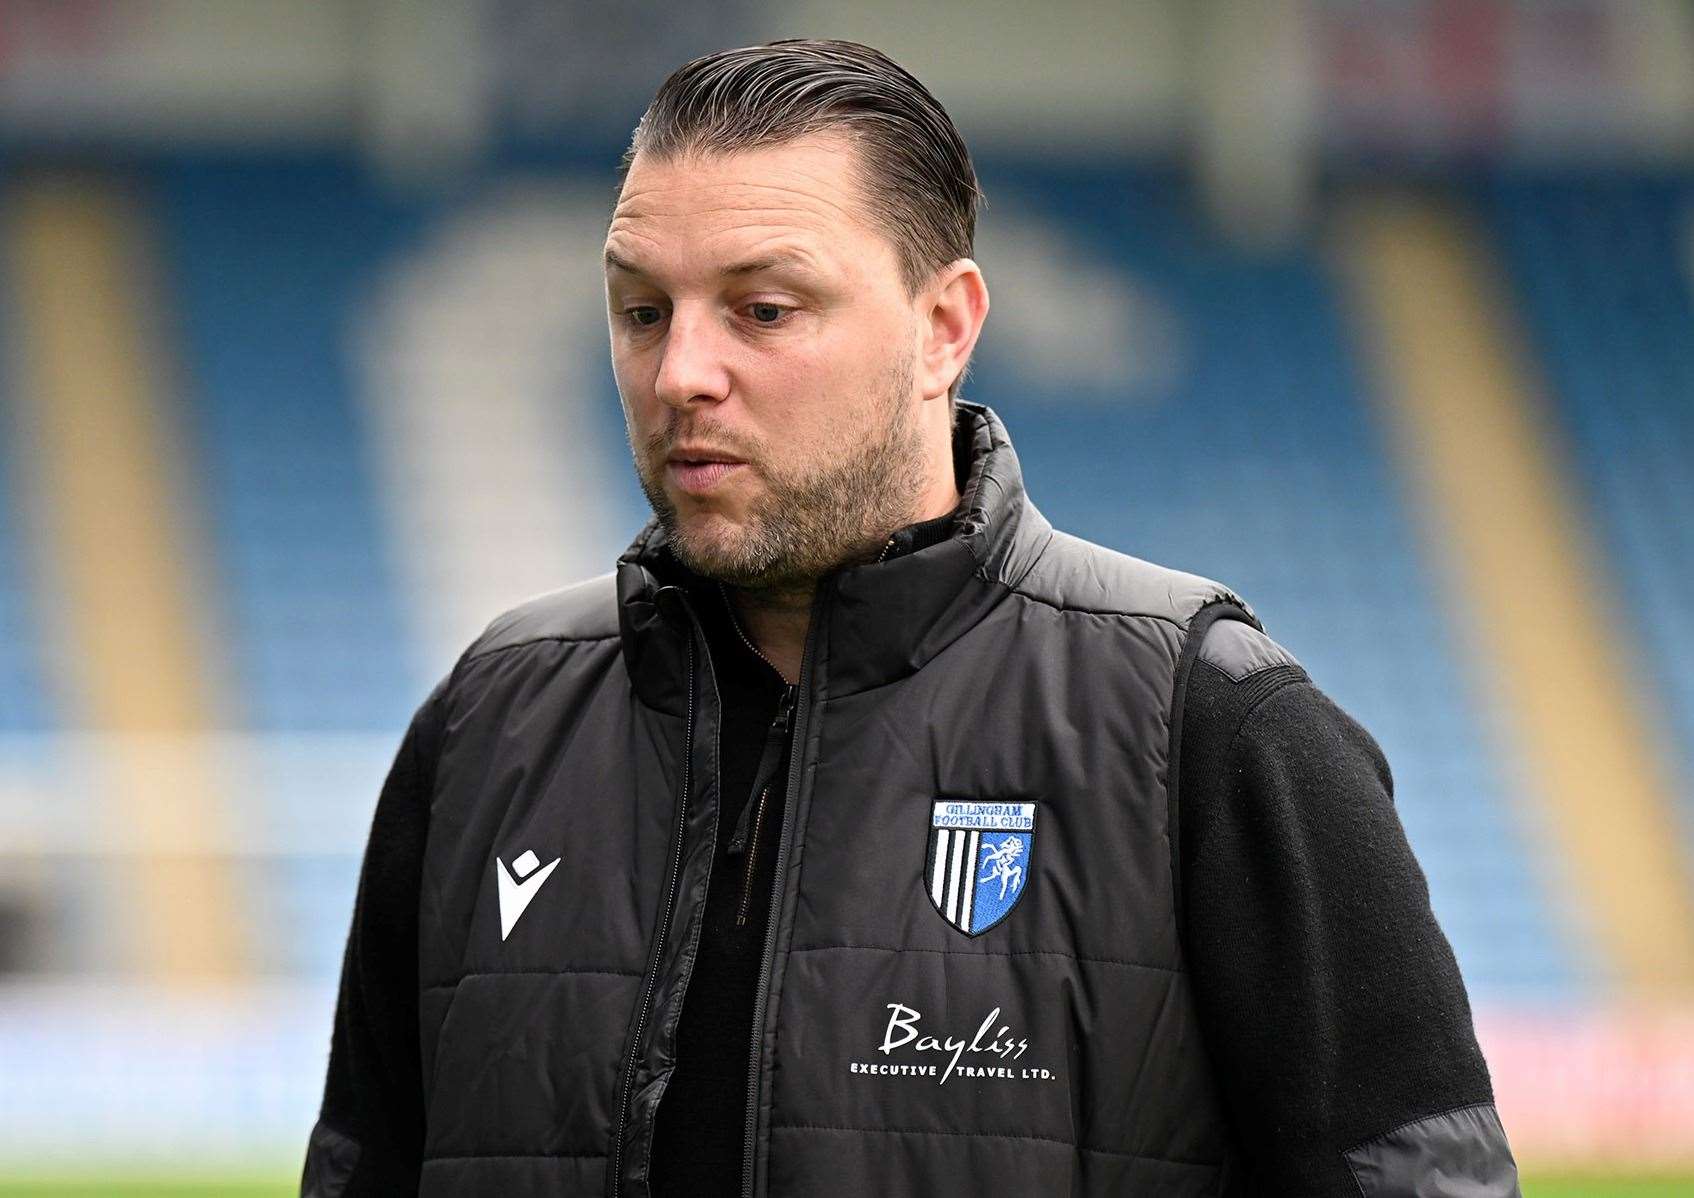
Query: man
[{"x": 861, "y": 833}]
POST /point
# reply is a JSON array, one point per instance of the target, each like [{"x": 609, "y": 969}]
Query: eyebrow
[{"x": 783, "y": 260}]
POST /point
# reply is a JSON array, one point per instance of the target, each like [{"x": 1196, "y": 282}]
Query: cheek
[
  {"x": 643, "y": 421},
  {"x": 840, "y": 364},
  {"x": 835, "y": 382},
  {"x": 635, "y": 391},
  {"x": 629, "y": 372}
]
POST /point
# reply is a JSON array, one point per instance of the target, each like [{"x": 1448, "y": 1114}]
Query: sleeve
[
  {"x": 368, "y": 1139},
  {"x": 1329, "y": 999}
]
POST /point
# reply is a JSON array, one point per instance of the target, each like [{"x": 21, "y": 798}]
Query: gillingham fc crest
[{"x": 978, "y": 866}]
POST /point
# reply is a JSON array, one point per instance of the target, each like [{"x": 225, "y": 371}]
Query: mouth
[{"x": 703, "y": 473}]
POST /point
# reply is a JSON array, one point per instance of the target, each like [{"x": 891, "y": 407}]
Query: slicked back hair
[{"x": 914, "y": 170}]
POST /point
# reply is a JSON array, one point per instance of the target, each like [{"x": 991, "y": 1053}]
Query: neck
[{"x": 776, "y": 618}]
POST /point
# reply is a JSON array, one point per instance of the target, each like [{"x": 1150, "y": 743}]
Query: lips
[
  {"x": 696, "y": 454},
  {"x": 699, "y": 476}
]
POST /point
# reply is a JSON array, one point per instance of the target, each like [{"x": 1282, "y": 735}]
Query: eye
[
  {"x": 645, "y": 316},
  {"x": 768, "y": 314}
]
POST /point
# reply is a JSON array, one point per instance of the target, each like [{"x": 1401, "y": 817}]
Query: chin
[{"x": 708, "y": 542}]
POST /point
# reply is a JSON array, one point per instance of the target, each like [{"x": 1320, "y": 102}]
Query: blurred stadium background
[{"x": 1379, "y": 310}]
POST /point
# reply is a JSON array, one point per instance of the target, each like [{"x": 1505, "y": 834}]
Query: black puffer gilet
[{"x": 1055, "y": 1052}]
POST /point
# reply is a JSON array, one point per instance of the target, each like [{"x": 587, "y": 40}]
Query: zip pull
[
  {"x": 775, "y": 738},
  {"x": 738, "y": 841}
]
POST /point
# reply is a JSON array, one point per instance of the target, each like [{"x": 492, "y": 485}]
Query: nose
[{"x": 692, "y": 366}]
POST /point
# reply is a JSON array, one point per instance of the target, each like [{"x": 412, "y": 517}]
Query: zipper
[
  {"x": 752, "y": 856},
  {"x": 762, "y": 994},
  {"x": 755, "y": 807},
  {"x": 775, "y": 740},
  {"x": 615, "y": 1174}
]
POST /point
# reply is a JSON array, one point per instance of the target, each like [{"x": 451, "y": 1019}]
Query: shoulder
[
  {"x": 584, "y": 611},
  {"x": 1238, "y": 650},
  {"x": 1078, "y": 575},
  {"x": 1249, "y": 699},
  {"x": 1230, "y": 668}
]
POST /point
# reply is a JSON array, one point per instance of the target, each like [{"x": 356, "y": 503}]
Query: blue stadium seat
[
  {"x": 1603, "y": 268},
  {"x": 1263, "y": 465}
]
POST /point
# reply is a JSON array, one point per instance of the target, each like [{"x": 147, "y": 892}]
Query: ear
[{"x": 954, "y": 307}]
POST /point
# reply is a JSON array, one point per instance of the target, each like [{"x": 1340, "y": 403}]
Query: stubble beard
[{"x": 801, "y": 527}]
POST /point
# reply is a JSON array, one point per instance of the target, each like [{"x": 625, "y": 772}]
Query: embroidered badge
[{"x": 978, "y": 865}]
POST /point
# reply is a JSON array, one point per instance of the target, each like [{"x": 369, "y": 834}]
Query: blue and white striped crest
[{"x": 978, "y": 866}]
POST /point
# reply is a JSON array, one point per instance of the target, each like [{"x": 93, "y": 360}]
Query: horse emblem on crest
[{"x": 978, "y": 861}]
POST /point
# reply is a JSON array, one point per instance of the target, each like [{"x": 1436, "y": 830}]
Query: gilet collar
[{"x": 881, "y": 621}]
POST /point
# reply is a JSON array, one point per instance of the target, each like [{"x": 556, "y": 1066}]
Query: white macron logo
[{"x": 515, "y": 895}]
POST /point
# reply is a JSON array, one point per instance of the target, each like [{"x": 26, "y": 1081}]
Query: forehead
[{"x": 802, "y": 197}]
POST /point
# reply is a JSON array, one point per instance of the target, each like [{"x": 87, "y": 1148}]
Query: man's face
[{"x": 758, "y": 320}]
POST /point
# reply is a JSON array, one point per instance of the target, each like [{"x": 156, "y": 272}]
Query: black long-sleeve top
[{"x": 1329, "y": 999}]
